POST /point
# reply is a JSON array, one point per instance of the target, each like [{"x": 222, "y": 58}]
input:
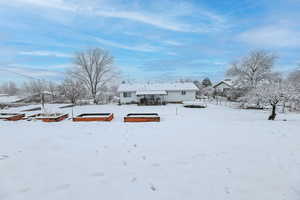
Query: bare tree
[
  {"x": 94, "y": 68},
  {"x": 35, "y": 87},
  {"x": 10, "y": 88},
  {"x": 253, "y": 69},
  {"x": 73, "y": 90},
  {"x": 294, "y": 78},
  {"x": 52, "y": 88}
]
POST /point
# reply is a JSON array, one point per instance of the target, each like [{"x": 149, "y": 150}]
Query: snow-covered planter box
[
  {"x": 89, "y": 117},
  {"x": 32, "y": 109},
  {"x": 194, "y": 104},
  {"x": 12, "y": 116},
  {"x": 142, "y": 117},
  {"x": 55, "y": 117}
]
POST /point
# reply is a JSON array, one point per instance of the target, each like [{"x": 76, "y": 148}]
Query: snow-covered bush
[{"x": 271, "y": 94}]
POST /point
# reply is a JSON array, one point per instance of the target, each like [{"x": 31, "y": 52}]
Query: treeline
[{"x": 93, "y": 77}]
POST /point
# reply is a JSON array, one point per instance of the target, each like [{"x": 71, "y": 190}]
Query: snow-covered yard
[
  {"x": 215, "y": 153},
  {"x": 8, "y": 99}
]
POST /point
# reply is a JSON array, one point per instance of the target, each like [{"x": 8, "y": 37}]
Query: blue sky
[{"x": 150, "y": 40}]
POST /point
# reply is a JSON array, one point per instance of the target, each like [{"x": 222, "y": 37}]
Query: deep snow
[{"x": 215, "y": 153}]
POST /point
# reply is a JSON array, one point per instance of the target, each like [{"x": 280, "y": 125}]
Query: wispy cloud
[
  {"x": 46, "y": 53},
  {"x": 172, "y": 43},
  {"x": 140, "y": 47},
  {"x": 207, "y": 20},
  {"x": 272, "y": 36}
]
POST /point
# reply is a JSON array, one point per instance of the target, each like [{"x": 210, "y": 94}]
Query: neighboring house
[
  {"x": 224, "y": 86},
  {"x": 158, "y": 93}
]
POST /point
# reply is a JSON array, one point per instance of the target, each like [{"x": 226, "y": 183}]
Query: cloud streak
[
  {"x": 141, "y": 47},
  {"x": 272, "y": 36},
  {"x": 46, "y": 54},
  {"x": 156, "y": 19}
]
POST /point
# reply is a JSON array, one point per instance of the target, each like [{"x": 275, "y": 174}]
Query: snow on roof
[
  {"x": 149, "y": 92},
  {"x": 228, "y": 82},
  {"x": 127, "y": 87}
]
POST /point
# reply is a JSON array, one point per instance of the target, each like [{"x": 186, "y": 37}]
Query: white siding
[
  {"x": 176, "y": 96},
  {"x": 172, "y": 96},
  {"x": 221, "y": 87},
  {"x": 125, "y": 100}
]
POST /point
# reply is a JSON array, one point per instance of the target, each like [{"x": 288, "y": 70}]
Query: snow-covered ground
[
  {"x": 215, "y": 153},
  {"x": 8, "y": 99}
]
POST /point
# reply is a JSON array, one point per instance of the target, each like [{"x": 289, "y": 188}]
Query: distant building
[
  {"x": 156, "y": 94},
  {"x": 224, "y": 86}
]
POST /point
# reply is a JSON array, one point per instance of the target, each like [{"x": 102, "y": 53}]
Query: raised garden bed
[
  {"x": 194, "y": 104},
  {"x": 254, "y": 108},
  {"x": 91, "y": 117},
  {"x": 142, "y": 117},
  {"x": 55, "y": 117},
  {"x": 32, "y": 109},
  {"x": 12, "y": 116}
]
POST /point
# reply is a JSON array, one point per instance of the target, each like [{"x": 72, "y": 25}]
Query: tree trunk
[
  {"x": 273, "y": 115},
  {"x": 283, "y": 107},
  {"x": 96, "y": 101},
  {"x": 94, "y": 95}
]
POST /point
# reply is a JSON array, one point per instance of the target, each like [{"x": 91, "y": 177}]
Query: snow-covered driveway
[{"x": 216, "y": 153}]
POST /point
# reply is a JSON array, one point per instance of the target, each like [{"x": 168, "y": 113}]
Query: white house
[
  {"x": 224, "y": 86},
  {"x": 157, "y": 93}
]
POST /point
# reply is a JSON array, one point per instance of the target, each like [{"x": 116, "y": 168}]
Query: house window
[
  {"x": 183, "y": 92},
  {"x": 126, "y": 94}
]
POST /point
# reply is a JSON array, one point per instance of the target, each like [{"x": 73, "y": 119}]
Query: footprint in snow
[
  {"x": 24, "y": 190},
  {"x": 227, "y": 191},
  {"x": 133, "y": 179},
  {"x": 155, "y": 165},
  {"x": 63, "y": 187},
  {"x": 3, "y": 157},
  {"x": 228, "y": 170},
  {"x": 152, "y": 187}
]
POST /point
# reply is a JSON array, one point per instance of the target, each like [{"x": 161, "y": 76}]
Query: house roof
[
  {"x": 127, "y": 87},
  {"x": 227, "y": 82}
]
